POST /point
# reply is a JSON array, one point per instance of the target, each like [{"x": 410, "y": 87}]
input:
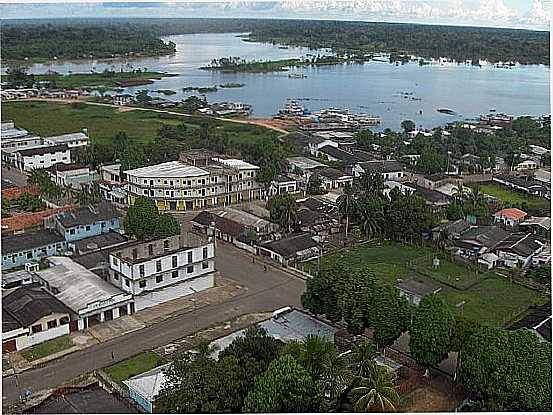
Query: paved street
[
  {"x": 266, "y": 291},
  {"x": 14, "y": 176}
]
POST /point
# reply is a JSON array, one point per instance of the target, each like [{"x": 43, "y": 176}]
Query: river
[{"x": 375, "y": 87}]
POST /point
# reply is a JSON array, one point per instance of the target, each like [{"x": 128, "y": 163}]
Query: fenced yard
[{"x": 482, "y": 296}]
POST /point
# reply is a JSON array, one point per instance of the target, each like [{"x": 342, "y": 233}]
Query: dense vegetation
[
  {"x": 43, "y": 39},
  {"x": 257, "y": 373},
  {"x": 500, "y": 370},
  {"x": 509, "y": 143},
  {"x": 43, "y": 42},
  {"x": 457, "y": 43}
]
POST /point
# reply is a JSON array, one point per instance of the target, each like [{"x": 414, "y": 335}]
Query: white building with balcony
[
  {"x": 179, "y": 186},
  {"x": 158, "y": 271}
]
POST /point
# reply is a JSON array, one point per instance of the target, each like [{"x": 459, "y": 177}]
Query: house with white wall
[
  {"x": 157, "y": 271},
  {"x": 92, "y": 299},
  {"x": 31, "y": 315},
  {"x": 71, "y": 140},
  {"x": 41, "y": 157}
]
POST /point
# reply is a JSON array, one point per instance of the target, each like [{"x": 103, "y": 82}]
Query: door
[
  {"x": 73, "y": 326},
  {"x": 108, "y": 315}
]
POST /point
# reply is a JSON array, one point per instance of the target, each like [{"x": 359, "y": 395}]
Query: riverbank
[{"x": 103, "y": 79}]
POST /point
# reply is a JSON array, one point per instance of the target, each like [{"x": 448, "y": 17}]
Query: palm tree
[
  {"x": 39, "y": 177},
  {"x": 312, "y": 353},
  {"x": 346, "y": 204},
  {"x": 376, "y": 393},
  {"x": 361, "y": 359},
  {"x": 336, "y": 377},
  {"x": 371, "y": 211},
  {"x": 288, "y": 213}
]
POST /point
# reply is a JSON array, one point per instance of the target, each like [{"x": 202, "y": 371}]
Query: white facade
[
  {"x": 526, "y": 165},
  {"x": 315, "y": 146},
  {"x": 41, "y": 159},
  {"x": 178, "y": 186},
  {"x": 71, "y": 140},
  {"x": 47, "y": 328},
  {"x": 164, "y": 277}
]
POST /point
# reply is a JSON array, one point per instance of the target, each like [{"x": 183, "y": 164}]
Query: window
[
  {"x": 29, "y": 255},
  {"x": 64, "y": 320},
  {"x": 175, "y": 274},
  {"x": 150, "y": 249},
  {"x": 159, "y": 279},
  {"x": 127, "y": 282},
  {"x": 166, "y": 244},
  {"x": 190, "y": 269},
  {"x": 141, "y": 270},
  {"x": 205, "y": 252},
  {"x": 142, "y": 284},
  {"x": 158, "y": 266},
  {"x": 52, "y": 323},
  {"x": 189, "y": 257},
  {"x": 174, "y": 261},
  {"x": 115, "y": 262},
  {"x": 205, "y": 265},
  {"x": 72, "y": 232},
  {"x": 145, "y": 192},
  {"x": 37, "y": 328},
  {"x": 116, "y": 277},
  {"x": 134, "y": 253},
  {"x": 87, "y": 227}
]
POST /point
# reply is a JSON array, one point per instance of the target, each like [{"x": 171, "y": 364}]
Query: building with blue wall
[
  {"x": 18, "y": 250},
  {"x": 86, "y": 221}
]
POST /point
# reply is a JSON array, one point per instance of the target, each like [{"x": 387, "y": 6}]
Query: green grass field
[
  {"x": 79, "y": 80},
  {"x": 47, "y": 118},
  {"x": 492, "y": 300},
  {"x": 508, "y": 196},
  {"x": 135, "y": 365},
  {"x": 47, "y": 348}
]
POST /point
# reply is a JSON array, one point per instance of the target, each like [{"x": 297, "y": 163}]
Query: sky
[{"x": 524, "y": 14}]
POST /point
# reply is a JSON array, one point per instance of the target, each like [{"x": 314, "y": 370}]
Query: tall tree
[
  {"x": 283, "y": 210},
  {"x": 143, "y": 221},
  {"x": 347, "y": 204},
  {"x": 284, "y": 387},
  {"x": 431, "y": 331}
]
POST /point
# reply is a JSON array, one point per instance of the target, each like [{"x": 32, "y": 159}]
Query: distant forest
[{"x": 42, "y": 39}]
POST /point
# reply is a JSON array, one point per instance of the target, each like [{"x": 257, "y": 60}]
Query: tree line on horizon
[{"x": 76, "y": 38}]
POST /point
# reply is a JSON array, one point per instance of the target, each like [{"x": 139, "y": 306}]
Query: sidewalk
[{"x": 224, "y": 289}]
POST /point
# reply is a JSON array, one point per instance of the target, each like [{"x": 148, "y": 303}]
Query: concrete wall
[{"x": 175, "y": 291}]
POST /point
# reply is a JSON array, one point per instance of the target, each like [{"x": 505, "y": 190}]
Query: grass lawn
[
  {"x": 508, "y": 196},
  {"x": 48, "y": 118},
  {"x": 47, "y": 348},
  {"x": 135, "y": 365},
  {"x": 493, "y": 300},
  {"x": 79, "y": 80},
  {"x": 450, "y": 273}
]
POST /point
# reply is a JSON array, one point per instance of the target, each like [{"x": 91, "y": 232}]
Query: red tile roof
[
  {"x": 31, "y": 220},
  {"x": 512, "y": 213},
  {"x": 14, "y": 192}
]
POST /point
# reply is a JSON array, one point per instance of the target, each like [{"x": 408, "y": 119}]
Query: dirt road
[{"x": 262, "y": 122}]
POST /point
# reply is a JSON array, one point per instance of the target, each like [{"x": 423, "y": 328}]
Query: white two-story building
[
  {"x": 162, "y": 270},
  {"x": 41, "y": 157}
]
